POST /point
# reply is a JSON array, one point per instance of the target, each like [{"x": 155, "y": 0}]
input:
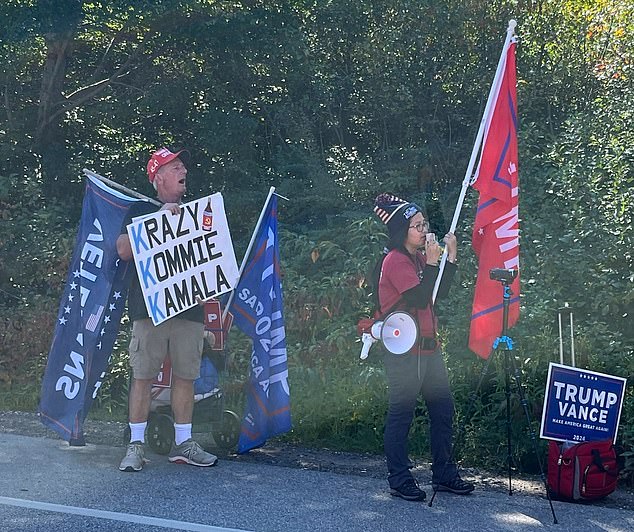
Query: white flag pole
[
  {"x": 510, "y": 32},
  {"x": 116, "y": 185},
  {"x": 247, "y": 253}
]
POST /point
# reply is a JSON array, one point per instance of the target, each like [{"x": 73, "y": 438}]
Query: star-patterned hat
[{"x": 394, "y": 211}]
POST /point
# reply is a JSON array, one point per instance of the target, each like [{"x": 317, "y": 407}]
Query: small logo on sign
[{"x": 207, "y": 216}]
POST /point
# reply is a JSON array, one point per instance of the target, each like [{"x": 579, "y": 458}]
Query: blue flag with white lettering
[
  {"x": 258, "y": 312},
  {"x": 89, "y": 314}
]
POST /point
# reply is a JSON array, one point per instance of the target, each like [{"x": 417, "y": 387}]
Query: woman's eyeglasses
[{"x": 420, "y": 227}]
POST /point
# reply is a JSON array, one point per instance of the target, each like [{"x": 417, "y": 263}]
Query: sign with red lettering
[{"x": 214, "y": 324}]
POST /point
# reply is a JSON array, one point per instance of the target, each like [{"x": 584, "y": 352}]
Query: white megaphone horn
[{"x": 398, "y": 332}]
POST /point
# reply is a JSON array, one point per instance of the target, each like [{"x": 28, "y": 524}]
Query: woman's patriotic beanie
[{"x": 394, "y": 212}]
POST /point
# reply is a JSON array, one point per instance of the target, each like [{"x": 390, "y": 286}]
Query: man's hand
[
  {"x": 124, "y": 248},
  {"x": 210, "y": 337},
  {"x": 174, "y": 208},
  {"x": 202, "y": 301}
]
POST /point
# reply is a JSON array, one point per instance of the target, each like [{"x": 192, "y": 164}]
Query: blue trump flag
[
  {"x": 89, "y": 314},
  {"x": 258, "y": 312}
]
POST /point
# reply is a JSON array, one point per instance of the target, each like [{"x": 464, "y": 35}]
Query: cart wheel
[
  {"x": 126, "y": 435},
  {"x": 160, "y": 433},
  {"x": 229, "y": 432}
]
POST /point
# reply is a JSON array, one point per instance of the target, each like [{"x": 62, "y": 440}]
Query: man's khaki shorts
[{"x": 181, "y": 340}]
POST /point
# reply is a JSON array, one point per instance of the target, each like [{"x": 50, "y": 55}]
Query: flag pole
[
  {"x": 248, "y": 252},
  {"x": 510, "y": 31},
  {"x": 114, "y": 184}
]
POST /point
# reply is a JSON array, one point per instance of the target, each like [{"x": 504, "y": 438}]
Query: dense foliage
[{"x": 332, "y": 102}]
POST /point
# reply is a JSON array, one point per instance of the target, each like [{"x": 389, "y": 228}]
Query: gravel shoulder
[{"x": 282, "y": 454}]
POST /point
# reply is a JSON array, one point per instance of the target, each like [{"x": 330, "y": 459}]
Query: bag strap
[
  {"x": 383, "y": 315},
  {"x": 560, "y": 448},
  {"x": 377, "y": 312},
  {"x": 598, "y": 461}
]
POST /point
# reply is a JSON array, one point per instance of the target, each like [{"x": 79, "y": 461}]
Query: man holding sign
[{"x": 179, "y": 337}]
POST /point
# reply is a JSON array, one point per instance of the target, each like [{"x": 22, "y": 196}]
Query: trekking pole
[{"x": 566, "y": 309}]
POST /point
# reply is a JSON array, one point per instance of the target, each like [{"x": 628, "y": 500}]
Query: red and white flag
[{"x": 496, "y": 228}]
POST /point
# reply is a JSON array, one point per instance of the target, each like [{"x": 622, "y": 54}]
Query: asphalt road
[{"x": 47, "y": 485}]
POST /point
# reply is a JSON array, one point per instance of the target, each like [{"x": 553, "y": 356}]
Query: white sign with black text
[{"x": 183, "y": 257}]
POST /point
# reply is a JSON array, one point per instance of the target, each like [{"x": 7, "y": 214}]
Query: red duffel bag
[{"x": 583, "y": 471}]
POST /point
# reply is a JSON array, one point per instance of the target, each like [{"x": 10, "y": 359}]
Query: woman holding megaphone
[{"x": 404, "y": 281}]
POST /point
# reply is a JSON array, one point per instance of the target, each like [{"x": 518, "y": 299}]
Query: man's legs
[
  {"x": 182, "y": 398},
  {"x": 185, "y": 348},
  {"x": 138, "y": 410},
  {"x": 186, "y": 345},
  {"x": 148, "y": 348},
  {"x": 186, "y": 450},
  {"x": 139, "y": 400}
]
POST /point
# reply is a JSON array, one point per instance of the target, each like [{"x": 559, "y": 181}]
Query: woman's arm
[{"x": 420, "y": 295}]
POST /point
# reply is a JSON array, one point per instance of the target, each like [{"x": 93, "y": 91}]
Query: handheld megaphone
[{"x": 398, "y": 332}]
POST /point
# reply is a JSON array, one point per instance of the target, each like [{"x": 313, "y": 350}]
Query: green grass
[
  {"x": 341, "y": 405},
  {"x": 19, "y": 397}
]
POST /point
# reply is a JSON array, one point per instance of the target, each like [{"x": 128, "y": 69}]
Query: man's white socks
[
  {"x": 182, "y": 432},
  {"x": 137, "y": 431}
]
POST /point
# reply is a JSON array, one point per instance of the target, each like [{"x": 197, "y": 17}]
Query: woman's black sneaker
[
  {"x": 409, "y": 491},
  {"x": 457, "y": 486}
]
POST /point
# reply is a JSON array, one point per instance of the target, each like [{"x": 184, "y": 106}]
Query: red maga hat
[{"x": 162, "y": 157}]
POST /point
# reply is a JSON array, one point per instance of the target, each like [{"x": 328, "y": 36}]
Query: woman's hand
[
  {"x": 452, "y": 247},
  {"x": 432, "y": 250}
]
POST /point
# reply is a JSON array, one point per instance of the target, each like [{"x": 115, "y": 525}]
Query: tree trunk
[{"x": 49, "y": 135}]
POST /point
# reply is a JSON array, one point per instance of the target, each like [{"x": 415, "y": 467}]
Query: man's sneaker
[
  {"x": 457, "y": 486},
  {"x": 409, "y": 491},
  {"x": 134, "y": 457},
  {"x": 189, "y": 452}
]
